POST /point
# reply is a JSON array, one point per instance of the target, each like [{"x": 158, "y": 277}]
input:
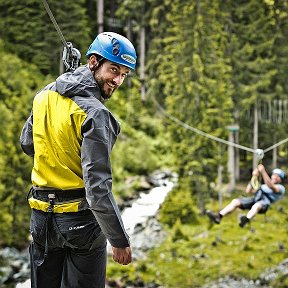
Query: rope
[
  {"x": 55, "y": 23},
  {"x": 255, "y": 182}
]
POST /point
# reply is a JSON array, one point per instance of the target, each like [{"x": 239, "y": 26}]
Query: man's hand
[
  {"x": 255, "y": 172},
  {"x": 261, "y": 168},
  {"x": 122, "y": 255}
]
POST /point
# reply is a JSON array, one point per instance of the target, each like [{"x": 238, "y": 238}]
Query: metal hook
[
  {"x": 260, "y": 154},
  {"x": 71, "y": 57}
]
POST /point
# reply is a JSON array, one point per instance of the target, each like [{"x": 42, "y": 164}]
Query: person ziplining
[
  {"x": 264, "y": 194},
  {"x": 271, "y": 191}
]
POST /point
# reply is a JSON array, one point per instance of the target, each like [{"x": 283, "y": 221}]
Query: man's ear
[{"x": 92, "y": 61}]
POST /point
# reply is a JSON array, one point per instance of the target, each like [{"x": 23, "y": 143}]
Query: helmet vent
[{"x": 116, "y": 46}]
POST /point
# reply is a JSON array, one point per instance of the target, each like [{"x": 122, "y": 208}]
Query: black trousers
[{"x": 75, "y": 254}]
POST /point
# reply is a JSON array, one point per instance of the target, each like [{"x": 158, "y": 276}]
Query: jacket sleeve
[
  {"x": 26, "y": 137},
  {"x": 99, "y": 135}
]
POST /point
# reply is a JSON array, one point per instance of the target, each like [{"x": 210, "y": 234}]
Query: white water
[
  {"x": 141, "y": 209},
  {"x": 144, "y": 207},
  {"x": 26, "y": 284}
]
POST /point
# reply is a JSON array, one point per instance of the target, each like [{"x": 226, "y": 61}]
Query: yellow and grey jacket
[{"x": 70, "y": 135}]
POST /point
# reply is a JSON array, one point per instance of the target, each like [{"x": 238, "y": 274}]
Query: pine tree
[
  {"x": 192, "y": 74},
  {"x": 252, "y": 39}
]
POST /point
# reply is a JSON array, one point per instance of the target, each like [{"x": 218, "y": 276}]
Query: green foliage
[
  {"x": 18, "y": 83},
  {"x": 191, "y": 78},
  {"x": 177, "y": 232},
  {"x": 140, "y": 149},
  {"x": 178, "y": 206},
  {"x": 213, "y": 251},
  {"x": 207, "y": 64},
  {"x": 281, "y": 281},
  {"x": 137, "y": 154}
]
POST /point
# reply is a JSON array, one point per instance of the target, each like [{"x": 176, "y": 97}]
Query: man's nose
[{"x": 118, "y": 80}]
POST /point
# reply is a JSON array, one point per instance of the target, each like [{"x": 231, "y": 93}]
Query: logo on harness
[{"x": 76, "y": 227}]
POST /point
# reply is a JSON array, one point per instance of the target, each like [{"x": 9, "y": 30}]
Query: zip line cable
[
  {"x": 275, "y": 145},
  {"x": 188, "y": 127},
  {"x": 55, "y": 23},
  {"x": 258, "y": 152}
]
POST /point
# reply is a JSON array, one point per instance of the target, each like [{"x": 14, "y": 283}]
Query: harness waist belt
[
  {"x": 63, "y": 200},
  {"x": 60, "y": 195},
  {"x": 57, "y": 208}
]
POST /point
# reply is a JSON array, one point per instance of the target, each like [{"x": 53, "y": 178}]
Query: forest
[{"x": 202, "y": 66}]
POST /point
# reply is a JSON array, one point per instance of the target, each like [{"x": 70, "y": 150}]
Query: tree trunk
[
  {"x": 255, "y": 136},
  {"x": 231, "y": 162},
  {"x": 100, "y": 17},
  {"x": 142, "y": 62}
]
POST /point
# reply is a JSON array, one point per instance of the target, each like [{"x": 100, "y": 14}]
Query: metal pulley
[
  {"x": 259, "y": 154},
  {"x": 71, "y": 57}
]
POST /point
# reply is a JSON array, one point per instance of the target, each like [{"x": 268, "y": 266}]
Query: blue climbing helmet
[
  {"x": 280, "y": 172},
  {"x": 115, "y": 48}
]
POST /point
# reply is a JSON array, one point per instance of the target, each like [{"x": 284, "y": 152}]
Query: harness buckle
[{"x": 51, "y": 198}]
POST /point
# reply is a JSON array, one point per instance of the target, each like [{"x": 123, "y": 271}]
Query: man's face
[
  {"x": 109, "y": 76},
  {"x": 275, "y": 178}
]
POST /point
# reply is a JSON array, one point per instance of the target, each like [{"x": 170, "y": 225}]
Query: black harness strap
[
  {"x": 60, "y": 195},
  {"x": 49, "y": 221}
]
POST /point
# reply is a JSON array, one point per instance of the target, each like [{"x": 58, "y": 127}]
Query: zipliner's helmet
[
  {"x": 280, "y": 172},
  {"x": 115, "y": 48}
]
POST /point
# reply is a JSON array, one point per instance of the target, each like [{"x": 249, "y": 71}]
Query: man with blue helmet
[
  {"x": 269, "y": 192},
  {"x": 70, "y": 135},
  {"x": 116, "y": 50}
]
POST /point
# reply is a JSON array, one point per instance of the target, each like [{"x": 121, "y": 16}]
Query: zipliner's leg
[
  {"x": 254, "y": 210},
  {"x": 216, "y": 217},
  {"x": 235, "y": 203}
]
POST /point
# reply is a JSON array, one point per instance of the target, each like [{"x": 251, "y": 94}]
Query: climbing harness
[
  {"x": 255, "y": 182},
  {"x": 71, "y": 56},
  {"x": 54, "y": 201}
]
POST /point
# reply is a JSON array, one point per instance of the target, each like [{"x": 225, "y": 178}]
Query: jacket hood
[{"x": 78, "y": 83}]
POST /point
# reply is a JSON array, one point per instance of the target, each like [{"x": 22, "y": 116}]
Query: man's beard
[{"x": 105, "y": 94}]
